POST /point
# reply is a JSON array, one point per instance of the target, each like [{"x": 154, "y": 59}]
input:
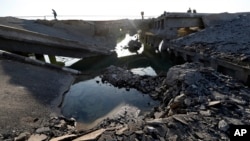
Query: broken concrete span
[
  {"x": 221, "y": 40},
  {"x": 14, "y": 39}
]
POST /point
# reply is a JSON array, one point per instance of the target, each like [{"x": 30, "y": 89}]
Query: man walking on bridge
[{"x": 54, "y": 13}]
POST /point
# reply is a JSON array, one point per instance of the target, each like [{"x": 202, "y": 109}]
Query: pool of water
[{"x": 90, "y": 100}]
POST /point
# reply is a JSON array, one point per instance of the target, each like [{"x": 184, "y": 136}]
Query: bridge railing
[{"x": 86, "y": 17}]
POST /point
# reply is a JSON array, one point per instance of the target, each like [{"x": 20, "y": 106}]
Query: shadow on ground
[{"x": 28, "y": 93}]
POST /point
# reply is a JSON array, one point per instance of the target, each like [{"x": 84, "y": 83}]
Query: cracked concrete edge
[{"x": 31, "y": 61}]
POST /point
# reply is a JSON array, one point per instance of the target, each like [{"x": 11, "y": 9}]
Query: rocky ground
[
  {"x": 197, "y": 103},
  {"x": 29, "y": 94},
  {"x": 229, "y": 40}
]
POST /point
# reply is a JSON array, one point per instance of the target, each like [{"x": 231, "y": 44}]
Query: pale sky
[{"x": 123, "y": 8}]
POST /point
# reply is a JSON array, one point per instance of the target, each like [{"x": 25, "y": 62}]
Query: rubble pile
[
  {"x": 134, "y": 45},
  {"x": 52, "y": 128},
  {"x": 120, "y": 77},
  {"x": 229, "y": 40},
  {"x": 197, "y": 103}
]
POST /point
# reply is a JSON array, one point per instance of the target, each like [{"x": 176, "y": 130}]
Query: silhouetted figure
[
  {"x": 189, "y": 10},
  {"x": 54, "y": 13},
  {"x": 194, "y": 11},
  {"x": 164, "y": 13},
  {"x": 142, "y": 15}
]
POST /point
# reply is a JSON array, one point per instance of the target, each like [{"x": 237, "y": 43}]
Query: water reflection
[
  {"x": 89, "y": 100},
  {"x": 144, "y": 71},
  {"x": 68, "y": 61},
  {"x": 122, "y": 57},
  {"x": 160, "y": 45},
  {"x": 121, "y": 49},
  {"x": 159, "y": 62}
]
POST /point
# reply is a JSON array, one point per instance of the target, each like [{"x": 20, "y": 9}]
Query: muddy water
[{"x": 90, "y": 100}]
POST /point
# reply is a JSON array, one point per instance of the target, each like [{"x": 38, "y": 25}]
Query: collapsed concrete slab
[
  {"x": 14, "y": 39},
  {"x": 225, "y": 46},
  {"x": 29, "y": 94}
]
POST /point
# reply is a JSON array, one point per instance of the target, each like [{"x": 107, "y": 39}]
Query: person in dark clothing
[
  {"x": 142, "y": 15},
  {"x": 189, "y": 10},
  {"x": 54, "y": 13}
]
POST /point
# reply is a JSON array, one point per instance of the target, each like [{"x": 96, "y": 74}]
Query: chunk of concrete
[{"x": 90, "y": 136}]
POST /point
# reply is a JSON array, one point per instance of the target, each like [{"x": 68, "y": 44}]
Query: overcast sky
[{"x": 111, "y": 8}]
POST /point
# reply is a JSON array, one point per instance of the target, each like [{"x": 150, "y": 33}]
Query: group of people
[{"x": 190, "y": 10}]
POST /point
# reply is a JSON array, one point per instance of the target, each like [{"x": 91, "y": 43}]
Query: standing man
[
  {"x": 54, "y": 13},
  {"x": 142, "y": 15},
  {"x": 189, "y": 10}
]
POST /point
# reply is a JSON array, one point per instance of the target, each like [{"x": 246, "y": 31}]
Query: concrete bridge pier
[{"x": 52, "y": 59}]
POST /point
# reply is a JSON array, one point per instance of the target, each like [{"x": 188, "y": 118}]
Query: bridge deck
[{"x": 14, "y": 39}]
